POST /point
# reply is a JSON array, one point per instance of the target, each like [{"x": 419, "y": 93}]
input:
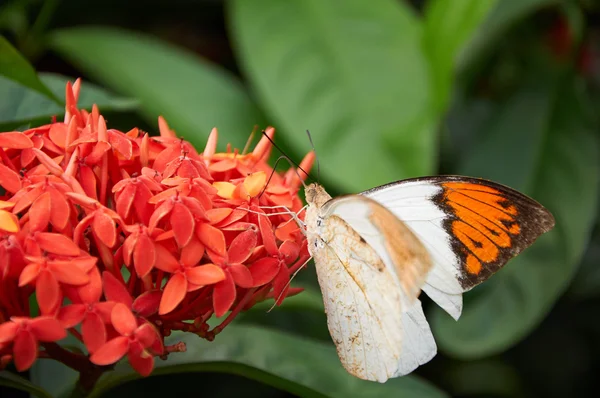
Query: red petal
[
  {"x": 29, "y": 273},
  {"x": 125, "y": 200},
  {"x": 141, "y": 361},
  {"x": 223, "y": 165},
  {"x": 93, "y": 331},
  {"x": 8, "y": 331},
  {"x": 268, "y": 237},
  {"x": 15, "y": 140},
  {"x": 48, "y": 162},
  {"x": 160, "y": 212},
  {"x": 105, "y": 229},
  {"x": 68, "y": 273},
  {"x": 91, "y": 292},
  {"x": 146, "y": 334},
  {"x": 144, "y": 255},
  {"x": 212, "y": 238},
  {"x": 128, "y": 246},
  {"x": 241, "y": 275},
  {"x": 192, "y": 253},
  {"x": 9, "y": 179},
  {"x": 58, "y": 134},
  {"x": 147, "y": 303},
  {"x": 264, "y": 270},
  {"x": 195, "y": 207},
  {"x": 56, "y": 244},
  {"x": 217, "y": 215},
  {"x": 111, "y": 352},
  {"x": 290, "y": 251},
  {"x": 39, "y": 213},
  {"x": 59, "y": 216},
  {"x": 165, "y": 260},
  {"x": 182, "y": 223},
  {"x": 224, "y": 296},
  {"x": 205, "y": 275},
  {"x": 120, "y": 143},
  {"x": 241, "y": 247},
  {"x": 123, "y": 320},
  {"x": 71, "y": 315},
  {"x": 47, "y": 291},
  {"x": 114, "y": 290},
  {"x": 287, "y": 231},
  {"x": 87, "y": 178},
  {"x": 24, "y": 350},
  {"x": 104, "y": 310},
  {"x": 47, "y": 329},
  {"x": 281, "y": 284},
  {"x": 173, "y": 294},
  {"x": 99, "y": 150}
]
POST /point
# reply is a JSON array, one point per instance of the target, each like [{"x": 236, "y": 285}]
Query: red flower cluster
[{"x": 123, "y": 237}]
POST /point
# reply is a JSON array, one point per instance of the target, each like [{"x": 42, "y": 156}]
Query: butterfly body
[{"x": 374, "y": 253}]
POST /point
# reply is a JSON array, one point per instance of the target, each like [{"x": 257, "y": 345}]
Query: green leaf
[
  {"x": 540, "y": 143},
  {"x": 302, "y": 315},
  {"x": 586, "y": 284},
  {"x": 353, "y": 73},
  {"x": 16, "y": 68},
  {"x": 502, "y": 17},
  {"x": 54, "y": 376},
  {"x": 21, "y": 105},
  {"x": 490, "y": 377},
  {"x": 12, "y": 380},
  {"x": 299, "y": 366},
  {"x": 193, "y": 95},
  {"x": 449, "y": 25}
]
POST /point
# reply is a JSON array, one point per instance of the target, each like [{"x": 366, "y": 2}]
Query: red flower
[
  {"x": 124, "y": 237},
  {"x": 187, "y": 276},
  {"x": 133, "y": 341},
  {"x": 47, "y": 273},
  {"x": 25, "y": 335}
]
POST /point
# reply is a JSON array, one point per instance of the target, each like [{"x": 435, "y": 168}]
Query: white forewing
[{"x": 411, "y": 202}]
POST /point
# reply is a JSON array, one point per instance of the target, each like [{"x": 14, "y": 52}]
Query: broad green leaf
[
  {"x": 16, "y": 68},
  {"x": 586, "y": 284},
  {"x": 12, "y": 380},
  {"x": 539, "y": 143},
  {"x": 489, "y": 377},
  {"x": 193, "y": 95},
  {"x": 300, "y": 366},
  {"x": 21, "y": 105},
  {"x": 502, "y": 17},
  {"x": 449, "y": 25},
  {"x": 302, "y": 315},
  {"x": 353, "y": 73}
]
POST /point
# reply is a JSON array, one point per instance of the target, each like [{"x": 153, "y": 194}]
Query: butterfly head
[{"x": 316, "y": 195}]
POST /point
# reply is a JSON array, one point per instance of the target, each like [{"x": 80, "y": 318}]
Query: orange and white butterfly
[{"x": 374, "y": 253}]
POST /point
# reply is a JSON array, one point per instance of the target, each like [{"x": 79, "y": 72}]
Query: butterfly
[{"x": 376, "y": 251}]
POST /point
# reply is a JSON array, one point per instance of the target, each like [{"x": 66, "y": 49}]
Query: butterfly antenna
[
  {"x": 282, "y": 157},
  {"x": 288, "y": 283},
  {"x": 287, "y": 157},
  {"x": 317, "y": 157}
]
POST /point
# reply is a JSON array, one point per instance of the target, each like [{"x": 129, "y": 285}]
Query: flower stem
[
  {"x": 89, "y": 373},
  {"x": 241, "y": 304}
]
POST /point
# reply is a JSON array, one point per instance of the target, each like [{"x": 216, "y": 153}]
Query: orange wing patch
[{"x": 489, "y": 224}]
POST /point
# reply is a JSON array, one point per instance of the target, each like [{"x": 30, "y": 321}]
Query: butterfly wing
[
  {"x": 375, "y": 320},
  {"x": 471, "y": 228}
]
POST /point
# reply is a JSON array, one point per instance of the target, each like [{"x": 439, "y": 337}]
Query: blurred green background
[{"x": 390, "y": 89}]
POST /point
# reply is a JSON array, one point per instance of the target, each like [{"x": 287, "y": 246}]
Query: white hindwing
[{"x": 379, "y": 331}]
